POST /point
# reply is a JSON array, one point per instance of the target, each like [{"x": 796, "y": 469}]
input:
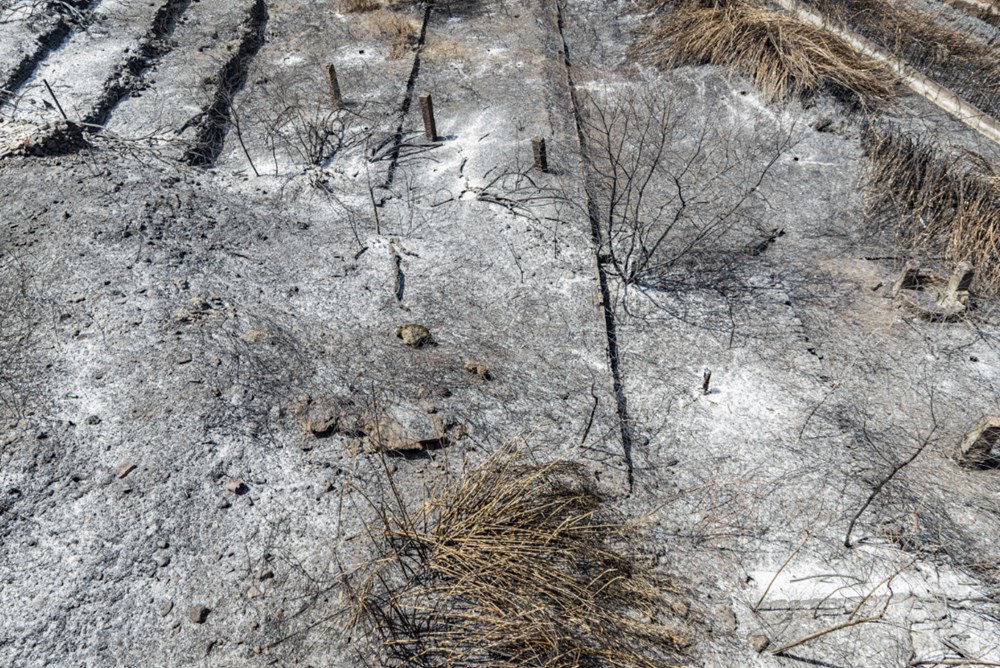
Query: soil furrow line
[
  {"x": 597, "y": 238},
  {"x": 128, "y": 77},
  {"x": 411, "y": 85},
  {"x": 47, "y": 43},
  {"x": 215, "y": 122}
]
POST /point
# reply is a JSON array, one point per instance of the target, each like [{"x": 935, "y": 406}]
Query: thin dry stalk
[
  {"x": 511, "y": 564},
  {"x": 780, "y": 54}
]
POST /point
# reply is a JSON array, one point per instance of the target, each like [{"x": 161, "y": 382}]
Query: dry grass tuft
[
  {"x": 351, "y": 6},
  {"x": 960, "y": 62},
  {"x": 511, "y": 564},
  {"x": 401, "y": 32},
  {"x": 936, "y": 200},
  {"x": 781, "y": 55},
  {"x": 977, "y": 11}
]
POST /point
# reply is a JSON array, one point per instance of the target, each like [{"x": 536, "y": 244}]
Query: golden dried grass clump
[
  {"x": 780, "y": 54},
  {"x": 352, "y": 6},
  {"x": 400, "y": 31},
  {"x": 959, "y": 61},
  {"x": 512, "y": 564},
  {"x": 937, "y": 201}
]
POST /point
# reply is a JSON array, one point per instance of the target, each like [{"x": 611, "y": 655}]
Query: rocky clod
[
  {"x": 198, "y": 614},
  {"x": 478, "y": 368},
  {"x": 414, "y": 335},
  {"x": 323, "y": 416},
  {"x": 59, "y": 138},
  {"x": 758, "y": 641}
]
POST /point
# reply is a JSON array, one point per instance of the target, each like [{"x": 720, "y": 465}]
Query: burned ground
[{"x": 241, "y": 318}]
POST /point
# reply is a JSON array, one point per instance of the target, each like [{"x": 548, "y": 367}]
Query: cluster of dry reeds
[
  {"x": 352, "y": 6},
  {"x": 935, "y": 200},
  {"x": 977, "y": 11},
  {"x": 511, "y": 564},
  {"x": 779, "y": 53},
  {"x": 960, "y": 62}
]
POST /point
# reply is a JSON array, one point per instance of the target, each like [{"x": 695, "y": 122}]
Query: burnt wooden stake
[
  {"x": 333, "y": 85},
  {"x": 427, "y": 109},
  {"x": 706, "y": 382},
  {"x": 541, "y": 157}
]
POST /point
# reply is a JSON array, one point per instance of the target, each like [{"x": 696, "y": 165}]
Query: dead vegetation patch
[
  {"x": 780, "y": 54},
  {"x": 936, "y": 200},
  {"x": 977, "y": 11},
  {"x": 512, "y": 563},
  {"x": 401, "y": 32},
  {"x": 354, "y": 6},
  {"x": 958, "y": 61}
]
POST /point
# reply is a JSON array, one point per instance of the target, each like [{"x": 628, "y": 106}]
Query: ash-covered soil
[{"x": 210, "y": 277}]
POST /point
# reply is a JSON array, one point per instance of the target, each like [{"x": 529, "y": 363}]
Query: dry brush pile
[
  {"x": 780, "y": 54},
  {"x": 960, "y": 62},
  {"x": 513, "y": 563},
  {"x": 935, "y": 199},
  {"x": 987, "y": 14}
]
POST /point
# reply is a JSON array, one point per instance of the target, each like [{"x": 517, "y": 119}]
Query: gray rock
[
  {"x": 758, "y": 641},
  {"x": 198, "y": 614}
]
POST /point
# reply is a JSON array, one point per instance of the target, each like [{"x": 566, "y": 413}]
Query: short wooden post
[
  {"x": 541, "y": 158},
  {"x": 427, "y": 109},
  {"x": 333, "y": 85}
]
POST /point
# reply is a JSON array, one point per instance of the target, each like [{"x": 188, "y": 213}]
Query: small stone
[
  {"x": 758, "y": 641},
  {"x": 236, "y": 486},
  {"x": 198, "y": 614},
  {"x": 322, "y": 416},
  {"x": 165, "y": 608},
  {"x": 124, "y": 469},
  {"x": 163, "y": 560},
  {"x": 414, "y": 335},
  {"x": 182, "y": 358},
  {"x": 253, "y": 592},
  {"x": 162, "y": 544},
  {"x": 478, "y": 368},
  {"x": 265, "y": 574},
  {"x": 223, "y": 504},
  {"x": 980, "y": 448},
  {"x": 93, "y": 419},
  {"x": 725, "y": 619}
]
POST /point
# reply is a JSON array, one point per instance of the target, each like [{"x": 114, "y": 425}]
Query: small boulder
[
  {"x": 323, "y": 416},
  {"x": 478, "y": 368},
  {"x": 981, "y": 447},
  {"x": 758, "y": 641},
  {"x": 124, "y": 469},
  {"x": 198, "y": 614},
  {"x": 236, "y": 486},
  {"x": 414, "y": 335}
]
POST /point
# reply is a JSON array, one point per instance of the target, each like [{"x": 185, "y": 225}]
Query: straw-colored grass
[
  {"x": 353, "y": 6},
  {"x": 958, "y": 61},
  {"x": 780, "y": 54},
  {"x": 976, "y": 11},
  {"x": 400, "y": 31},
  {"x": 938, "y": 202},
  {"x": 512, "y": 564}
]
